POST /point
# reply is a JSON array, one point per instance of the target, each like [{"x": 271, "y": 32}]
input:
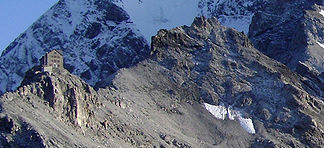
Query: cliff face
[
  {"x": 71, "y": 98},
  {"x": 45, "y": 105},
  {"x": 158, "y": 102}
]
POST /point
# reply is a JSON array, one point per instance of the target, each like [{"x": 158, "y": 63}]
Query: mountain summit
[
  {"x": 99, "y": 37},
  {"x": 249, "y": 99},
  {"x": 196, "y": 85}
]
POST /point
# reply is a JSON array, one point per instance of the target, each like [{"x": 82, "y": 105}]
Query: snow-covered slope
[
  {"x": 152, "y": 15},
  {"x": 231, "y": 13},
  {"x": 97, "y": 38}
]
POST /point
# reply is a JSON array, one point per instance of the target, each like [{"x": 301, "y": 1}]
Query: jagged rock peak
[
  {"x": 203, "y": 22},
  {"x": 205, "y": 30},
  {"x": 219, "y": 65}
]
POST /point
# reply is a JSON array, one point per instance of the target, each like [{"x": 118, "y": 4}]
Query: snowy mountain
[
  {"x": 204, "y": 85},
  {"x": 199, "y": 84},
  {"x": 99, "y": 37}
]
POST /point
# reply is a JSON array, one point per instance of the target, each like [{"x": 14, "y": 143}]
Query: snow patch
[
  {"x": 322, "y": 12},
  {"x": 321, "y": 44},
  {"x": 220, "y": 112},
  {"x": 247, "y": 125}
]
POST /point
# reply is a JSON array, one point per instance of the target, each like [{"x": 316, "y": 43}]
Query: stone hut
[{"x": 52, "y": 60}]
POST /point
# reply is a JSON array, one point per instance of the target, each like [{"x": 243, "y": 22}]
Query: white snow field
[{"x": 220, "y": 112}]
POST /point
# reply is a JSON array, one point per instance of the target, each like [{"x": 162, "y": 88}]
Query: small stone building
[{"x": 52, "y": 60}]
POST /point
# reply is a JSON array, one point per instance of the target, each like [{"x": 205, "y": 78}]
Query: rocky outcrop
[
  {"x": 60, "y": 110},
  {"x": 158, "y": 102},
  {"x": 43, "y": 107},
  {"x": 71, "y": 98}
]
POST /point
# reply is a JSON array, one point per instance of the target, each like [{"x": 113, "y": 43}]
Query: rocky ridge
[{"x": 157, "y": 102}]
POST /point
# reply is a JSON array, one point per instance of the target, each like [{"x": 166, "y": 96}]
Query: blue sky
[{"x": 17, "y": 15}]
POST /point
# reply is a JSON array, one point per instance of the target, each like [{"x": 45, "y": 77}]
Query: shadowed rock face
[
  {"x": 157, "y": 102},
  {"x": 290, "y": 31}
]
